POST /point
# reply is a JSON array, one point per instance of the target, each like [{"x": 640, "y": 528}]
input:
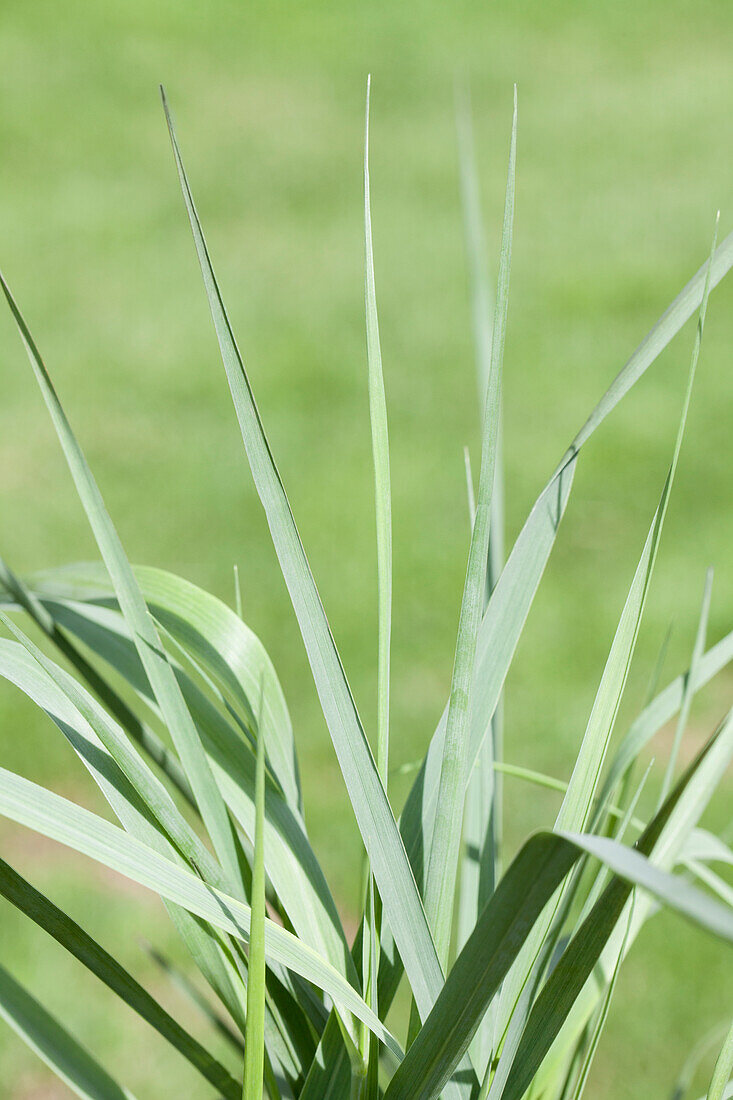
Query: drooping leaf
[{"x": 51, "y": 815}]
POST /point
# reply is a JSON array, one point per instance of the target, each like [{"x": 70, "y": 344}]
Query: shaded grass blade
[{"x": 79, "y": 943}]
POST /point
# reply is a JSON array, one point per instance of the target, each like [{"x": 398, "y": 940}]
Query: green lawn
[{"x": 624, "y": 157}]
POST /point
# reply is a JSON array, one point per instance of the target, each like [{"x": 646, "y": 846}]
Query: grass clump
[{"x": 175, "y": 709}]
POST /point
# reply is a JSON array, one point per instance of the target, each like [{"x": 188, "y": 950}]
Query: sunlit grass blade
[
  {"x": 697, "y": 652},
  {"x": 577, "y": 806},
  {"x": 382, "y": 490},
  {"x": 440, "y": 881},
  {"x": 723, "y": 1069},
  {"x": 509, "y": 606},
  {"x": 482, "y": 821},
  {"x": 254, "y": 1040},
  {"x": 388, "y": 859},
  {"x": 55, "y": 817},
  {"x": 177, "y": 718},
  {"x": 662, "y": 708},
  {"x": 383, "y": 511},
  {"x": 54, "y": 1044},
  {"x": 79, "y": 943}
]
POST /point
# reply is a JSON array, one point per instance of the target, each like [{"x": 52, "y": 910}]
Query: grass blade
[
  {"x": 509, "y": 605},
  {"x": 55, "y": 817},
  {"x": 382, "y": 490},
  {"x": 664, "y": 707},
  {"x": 697, "y": 652},
  {"x": 388, "y": 859},
  {"x": 576, "y": 808},
  {"x": 577, "y": 805},
  {"x": 152, "y": 793},
  {"x": 602, "y": 1014},
  {"x": 383, "y": 509},
  {"x": 291, "y": 865},
  {"x": 455, "y": 766},
  {"x": 254, "y": 1040},
  {"x": 723, "y": 1069}
]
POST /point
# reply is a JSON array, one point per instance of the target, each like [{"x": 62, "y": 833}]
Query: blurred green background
[{"x": 624, "y": 157}]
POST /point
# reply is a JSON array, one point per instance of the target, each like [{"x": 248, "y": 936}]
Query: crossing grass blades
[{"x": 510, "y": 966}]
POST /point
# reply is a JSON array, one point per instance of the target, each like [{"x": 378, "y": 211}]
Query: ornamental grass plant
[{"x": 174, "y": 708}]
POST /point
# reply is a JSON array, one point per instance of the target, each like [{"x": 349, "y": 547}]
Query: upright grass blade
[
  {"x": 53, "y": 1043},
  {"x": 79, "y": 943},
  {"x": 455, "y": 768},
  {"x": 167, "y": 692},
  {"x": 577, "y": 806},
  {"x": 697, "y": 652},
  {"x": 383, "y": 509},
  {"x": 723, "y": 1069},
  {"x": 602, "y": 1014},
  {"x": 388, "y": 859},
  {"x": 382, "y": 491},
  {"x": 509, "y": 605},
  {"x": 254, "y": 1040},
  {"x": 482, "y": 305},
  {"x": 482, "y": 819}
]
